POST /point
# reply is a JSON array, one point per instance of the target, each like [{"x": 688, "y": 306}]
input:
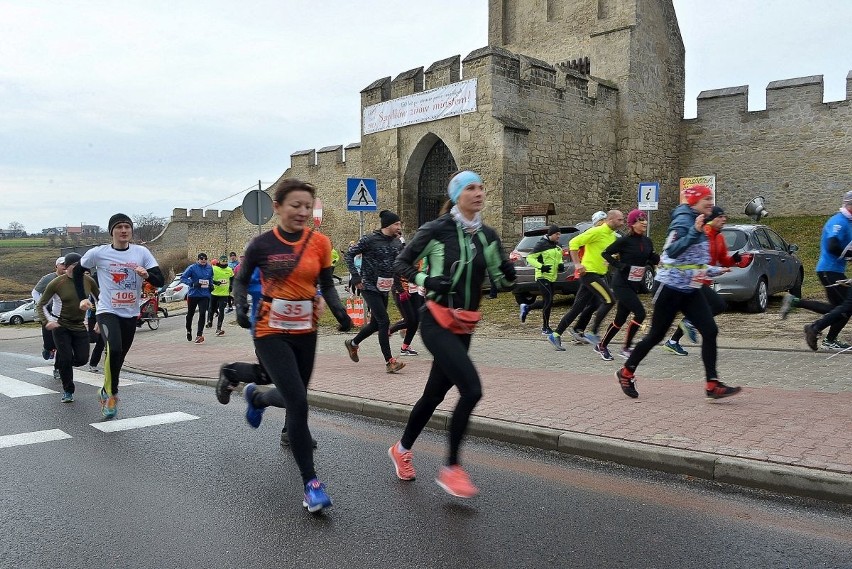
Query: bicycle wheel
[{"x": 153, "y": 323}]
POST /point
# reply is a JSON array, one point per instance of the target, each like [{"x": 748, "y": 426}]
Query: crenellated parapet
[
  {"x": 330, "y": 156},
  {"x": 491, "y": 62},
  {"x": 181, "y": 214},
  {"x": 784, "y": 96}
]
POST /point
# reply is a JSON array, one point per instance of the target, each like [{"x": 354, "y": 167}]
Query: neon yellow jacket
[{"x": 595, "y": 240}]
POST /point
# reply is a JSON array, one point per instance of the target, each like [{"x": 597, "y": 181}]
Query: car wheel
[
  {"x": 760, "y": 300},
  {"x": 648, "y": 280},
  {"x": 524, "y": 298},
  {"x": 16, "y": 320}
]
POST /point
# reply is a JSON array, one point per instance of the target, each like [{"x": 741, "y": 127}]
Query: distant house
[{"x": 12, "y": 233}]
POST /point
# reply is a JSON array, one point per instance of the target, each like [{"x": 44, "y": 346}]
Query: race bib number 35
[{"x": 291, "y": 314}]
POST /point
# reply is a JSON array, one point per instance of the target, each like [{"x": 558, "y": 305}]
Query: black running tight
[
  {"x": 545, "y": 303},
  {"x": 694, "y": 306},
  {"x": 379, "y": 321},
  {"x": 118, "y": 334},
  {"x": 451, "y": 366},
  {"x": 202, "y": 303},
  {"x": 289, "y": 361}
]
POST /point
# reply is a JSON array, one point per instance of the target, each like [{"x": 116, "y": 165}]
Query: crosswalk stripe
[
  {"x": 86, "y": 377},
  {"x": 146, "y": 421},
  {"x": 15, "y": 388},
  {"x": 33, "y": 438}
]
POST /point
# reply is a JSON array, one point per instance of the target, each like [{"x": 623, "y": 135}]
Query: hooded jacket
[
  {"x": 686, "y": 252},
  {"x": 545, "y": 252}
]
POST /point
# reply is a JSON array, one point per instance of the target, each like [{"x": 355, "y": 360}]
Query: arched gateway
[{"x": 432, "y": 183}]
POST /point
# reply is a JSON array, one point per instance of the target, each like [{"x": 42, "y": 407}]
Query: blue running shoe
[
  {"x": 687, "y": 328},
  {"x": 525, "y": 309},
  {"x": 592, "y": 339},
  {"x": 603, "y": 352},
  {"x": 102, "y": 399},
  {"x": 674, "y": 348},
  {"x": 556, "y": 341},
  {"x": 67, "y": 397},
  {"x": 577, "y": 336},
  {"x": 254, "y": 415},
  {"x": 315, "y": 497}
]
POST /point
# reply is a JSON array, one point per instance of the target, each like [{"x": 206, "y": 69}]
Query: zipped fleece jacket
[
  {"x": 438, "y": 242},
  {"x": 545, "y": 252},
  {"x": 378, "y": 252}
]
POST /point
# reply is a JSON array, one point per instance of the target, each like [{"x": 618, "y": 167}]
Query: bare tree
[
  {"x": 17, "y": 229},
  {"x": 146, "y": 227}
]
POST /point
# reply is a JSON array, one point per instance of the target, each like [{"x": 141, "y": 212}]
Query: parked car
[
  {"x": 773, "y": 267},
  {"x": 7, "y": 305},
  {"x": 526, "y": 290},
  {"x": 23, "y": 313},
  {"x": 175, "y": 291}
]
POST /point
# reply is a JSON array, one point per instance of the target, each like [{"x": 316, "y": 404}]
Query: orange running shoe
[
  {"x": 455, "y": 482},
  {"x": 402, "y": 462}
]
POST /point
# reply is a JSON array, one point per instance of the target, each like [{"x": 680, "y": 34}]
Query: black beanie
[
  {"x": 72, "y": 258},
  {"x": 714, "y": 213},
  {"x": 119, "y": 218},
  {"x": 388, "y": 218},
  {"x": 553, "y": 229}
]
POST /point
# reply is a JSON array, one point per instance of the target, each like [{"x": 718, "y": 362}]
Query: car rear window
[{"x": 734, "y": 239}]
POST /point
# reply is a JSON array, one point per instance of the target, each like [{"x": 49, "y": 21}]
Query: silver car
[
  {"x": 772, "y": 267},
  {"x": 24, "y": 313},
  {"x": 175, "y": 291}
]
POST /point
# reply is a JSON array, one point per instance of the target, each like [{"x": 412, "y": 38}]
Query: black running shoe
[
  {"x": 225, "y": 385},
  {"x": 718, "y": 390},
  {"x": 628, "y": 384},
  {"x": 811, "y": 336}
]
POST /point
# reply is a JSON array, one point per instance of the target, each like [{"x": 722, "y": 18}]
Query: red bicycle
[{"x": 150, "y": 312}]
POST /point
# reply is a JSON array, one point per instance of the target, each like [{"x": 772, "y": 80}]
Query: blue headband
[{"x": 459, "y": 182}]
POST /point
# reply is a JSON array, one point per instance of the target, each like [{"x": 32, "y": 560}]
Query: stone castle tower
[{"x": 569, "y": 107}]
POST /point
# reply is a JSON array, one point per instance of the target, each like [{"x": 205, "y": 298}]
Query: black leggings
[
  {"x": 217, "y": 308},
  {"x": 118, "y": 334},
  {"x": 97, "y": 340},
  {"x": 593, "y": 288},
  {"x": 202, "y": 302},
  {"x": 72, "y": 349},
  {"x": 451, "y": 366},
  {"x": 545, "y": 303},
  {"x": 379, "y": 322},
  {"x": 836, "y": 296},
  {"x": 716, "y": 303},
  {"x": 410, "y": 310},
  {"x": 693, "y": 305},
  {"x": 289, "y": 361},
  {"x": 840, "y": 314},
  {"x": 628, "y": 302}
]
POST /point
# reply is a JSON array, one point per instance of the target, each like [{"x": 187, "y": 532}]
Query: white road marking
[
  {"x": 16, "y": 388},
  {"x": 33, "y": 438},
  {"x": 87, "y": 377},
  {"x": 146, "y": 421}
]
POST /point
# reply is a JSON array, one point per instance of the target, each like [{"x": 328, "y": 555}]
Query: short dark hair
[{"x": 292, "y": 185}]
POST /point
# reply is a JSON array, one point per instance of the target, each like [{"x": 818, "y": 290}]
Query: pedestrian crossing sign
[{"x": 361, "y": 194}]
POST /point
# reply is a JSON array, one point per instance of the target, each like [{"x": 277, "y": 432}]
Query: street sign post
[
  {"x": 361, "y": 196},
  {"x": 317, "y": 212},
  {"x": 649, "y": 199},
  {"x": 257, "y": 207}
]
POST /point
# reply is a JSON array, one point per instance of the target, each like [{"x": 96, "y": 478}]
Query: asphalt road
[{"x": 208, "y": 491}]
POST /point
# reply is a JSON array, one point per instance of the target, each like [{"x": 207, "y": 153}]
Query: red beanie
[{"x": 695, "y": 193}]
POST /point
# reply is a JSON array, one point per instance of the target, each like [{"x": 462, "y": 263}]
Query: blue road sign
[{"x": 361, "y": 194}]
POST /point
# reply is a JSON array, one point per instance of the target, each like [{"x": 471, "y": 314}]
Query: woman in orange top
[{"x": 291, "y": 259}]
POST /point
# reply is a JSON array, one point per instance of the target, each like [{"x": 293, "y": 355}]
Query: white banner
[{"x": 449, "y": 101}]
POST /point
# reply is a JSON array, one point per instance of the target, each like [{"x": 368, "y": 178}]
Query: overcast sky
[{"x": 146, "y": 106}]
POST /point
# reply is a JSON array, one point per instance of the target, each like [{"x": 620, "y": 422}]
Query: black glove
[
  {"x": 243, "y": 320},
  {"x": 736, "y": 257},
  {"x": 355, "y": 280},
  {"x": 508, "y": 270},
  {"x": 546, "y": 268},
  {"x": 441, "y": 284},
  {"x": 345, "y": 325},
  {"x": 560, "y": 267}
]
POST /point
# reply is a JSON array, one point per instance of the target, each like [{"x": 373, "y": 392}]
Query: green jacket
[{"x": 545, "y": 252}]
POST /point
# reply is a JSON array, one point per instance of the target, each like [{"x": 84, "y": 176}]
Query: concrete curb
[{"x": 793, "y": 480}]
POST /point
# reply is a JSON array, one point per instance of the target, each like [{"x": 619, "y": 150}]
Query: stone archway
[{"x": 432, "y": 182}]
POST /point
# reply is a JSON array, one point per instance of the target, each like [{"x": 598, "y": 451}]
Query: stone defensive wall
[
  {"x": 542, "y": 133},
  {"x": 795, "y": 153}
]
